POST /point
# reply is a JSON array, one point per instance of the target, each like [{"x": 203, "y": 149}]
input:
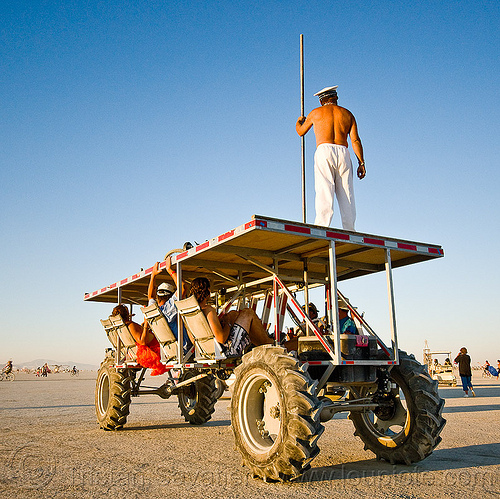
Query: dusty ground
[{"x": 51, "y": 447}]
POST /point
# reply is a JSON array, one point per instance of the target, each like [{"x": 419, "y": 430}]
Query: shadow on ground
[{"x": 440, "y": 460}]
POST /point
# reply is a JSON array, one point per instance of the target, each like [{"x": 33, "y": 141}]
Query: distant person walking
[
  {"x": 332, "y": 162},
  {"x": 463, "y": 361}
]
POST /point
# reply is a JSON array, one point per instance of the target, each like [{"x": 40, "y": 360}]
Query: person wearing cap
[
  {"x": 333, "y": 173},
  {"x": 314, "y": 316},
  {"x": 346, "y": 324},
  {"x": 165, "y": 296}
]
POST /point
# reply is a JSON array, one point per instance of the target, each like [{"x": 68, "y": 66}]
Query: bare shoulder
[
  {"x": 345, "y": 111},
  {"x": 316, "y": 113},
  {"x": 209, "y": 310}
]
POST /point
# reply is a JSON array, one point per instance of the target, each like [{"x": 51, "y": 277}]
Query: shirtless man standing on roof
[{"x": 332, "y": 162}]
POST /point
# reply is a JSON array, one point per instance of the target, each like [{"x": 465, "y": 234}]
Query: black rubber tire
[
  {"x": 419, "y": 435},
  {"x": 112, "y": 395},
  {"x": 277, "y": 442},
  {"x": 197, "y": 400},
  {"x": 220, "y": 388}
]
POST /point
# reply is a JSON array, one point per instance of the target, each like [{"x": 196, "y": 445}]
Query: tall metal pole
[{"x": 303, "y": 138}]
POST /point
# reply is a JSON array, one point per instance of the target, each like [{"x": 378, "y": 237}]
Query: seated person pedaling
[
  {"x": 314, "y": 316},
  {"x": 346, "y": 324},
  {"x": 148, "y": 348},
  {"x": 165, "y": 296},
  {"x": 235, "y": 330}
]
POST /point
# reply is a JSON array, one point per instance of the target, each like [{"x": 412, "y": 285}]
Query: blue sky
[{"x": 130, "y": 127}]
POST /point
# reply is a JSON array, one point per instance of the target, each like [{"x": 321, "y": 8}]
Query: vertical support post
[
  {"x": 334, "y": 310},
  {"x": 276, "y": 310},
  {"x": 328, "y": 301},
  {"x": 180, "y": 326},
  {"x": 306, "y": 295},
  {"x": 302, "y": 139},
  {"x": 392, "y": 307},
  {"x": 118, "y": 341}
]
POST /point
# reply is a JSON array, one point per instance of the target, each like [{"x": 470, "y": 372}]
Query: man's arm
[
  {"x": 152, "y": 287},
  {"x": 357, "y": 148},
  {"x": 304, "y": 124},
  {"x": 221, "y": 332},
  {"x": 173, "y": 275}
]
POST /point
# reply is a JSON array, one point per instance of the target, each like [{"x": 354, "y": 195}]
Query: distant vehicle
[{"x": 439, "y": 366}]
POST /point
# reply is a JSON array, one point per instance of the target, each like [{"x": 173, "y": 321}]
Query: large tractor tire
[
  {"x": 197, "y": 400},
  {"x": 112, "y": 395},
  {"x": 220, "y": 388},
  {"x": 275, "y": 414},
  {"x": 408, "y": 431}
]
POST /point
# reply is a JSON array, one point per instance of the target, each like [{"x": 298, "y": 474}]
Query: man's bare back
[{"x": 332, "y": 125}]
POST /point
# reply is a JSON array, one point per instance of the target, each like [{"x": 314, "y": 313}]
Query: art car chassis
[{"x": 280, "y": 399}]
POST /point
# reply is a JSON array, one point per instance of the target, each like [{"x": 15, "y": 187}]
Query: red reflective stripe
[
  {"x": 123, "y": 281},
  {"x": 314, "y": 362},
  {"x": 135, "y": 276},
  {"x": 181, "y": 255},
  {"x": 407, "y": 246},
  {"x": 337, "y": 235},
  {"x": 226, "y": 235},
  {"x": 148, "y": 271},
  {"x": 203, "y": 246},
  {"x": 435, "y": 251},
  {"x": 295, "y": 228},
  {"x": 348, "y": 362},
  {"x": 369, "y": 240},
  {"x": 260, "y": 223},
  {"x": 112, "y": 286},
  {"x": 248, "y": 225}
]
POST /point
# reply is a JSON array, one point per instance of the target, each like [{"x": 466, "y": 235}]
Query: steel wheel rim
[
  {"x": 259, "y": 413},
  {"x": 104, "y": 395},
  {"x": 391, "y": 432}
]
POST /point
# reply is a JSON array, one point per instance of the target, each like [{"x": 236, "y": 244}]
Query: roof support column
[
  {"x": 306, "y": 295},
  {"x": 392, "y": 307},
  {"x": 334, "y": 310},
  {"x": 180, "y": 328}
]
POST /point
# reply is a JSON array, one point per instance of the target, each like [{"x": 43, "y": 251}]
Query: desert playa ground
[{"x": 51, "y": 447}]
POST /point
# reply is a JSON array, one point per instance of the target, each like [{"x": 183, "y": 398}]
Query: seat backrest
[
  {"x": 159, "y": 325},
  {"x": 197, "y": 325},
  {"x": 110, "y": 331},
  {"x": 125, "y": 335}
]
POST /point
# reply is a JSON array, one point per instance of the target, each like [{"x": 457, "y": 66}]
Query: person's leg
[
  {"x": 469, "y": 384},
  {"x": 248, "y": 320},
  {"x": 465, "y": 385},
  {"x": 324, "y": 186},
  {"x": 344, "y": 190}
]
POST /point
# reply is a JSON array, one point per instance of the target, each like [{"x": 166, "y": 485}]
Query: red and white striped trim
[
  {"x": 289, "y": 228},
  {"x": 319, "y": 233}
]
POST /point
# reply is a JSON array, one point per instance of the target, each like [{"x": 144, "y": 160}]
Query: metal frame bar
[
  {"x": 334, "y": 311},
  {"x": 180, "y": 324},
  {"x": 392, "y": 306}
]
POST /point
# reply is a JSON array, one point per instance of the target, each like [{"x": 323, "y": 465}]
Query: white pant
[{"x": 333, "y": 175}]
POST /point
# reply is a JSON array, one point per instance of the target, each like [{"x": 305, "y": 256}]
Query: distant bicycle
[
  {"x": 7, "y": 376},
  {"x": 74, "y": 372}
]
